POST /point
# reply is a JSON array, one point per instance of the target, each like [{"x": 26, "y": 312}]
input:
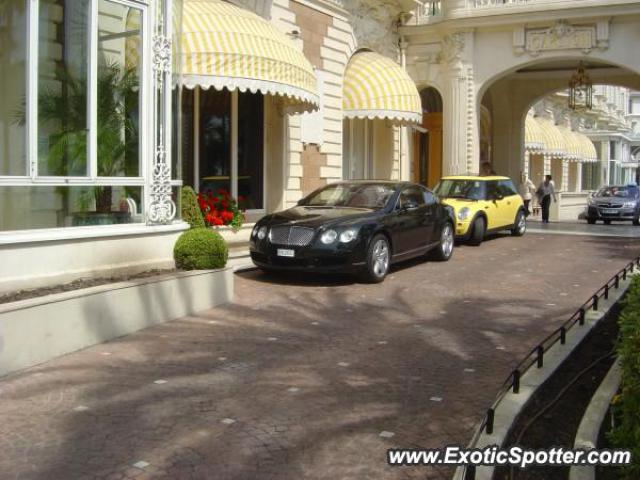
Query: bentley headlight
[
  {"x": 629, "y": 204},
  {"x": 329, "y": 237},
  {"x": 463, "y": 213},
  {"x": 262, "y": 233},
  {"x": 254, "y": 232},
  {"x": 348, "y": 235}
]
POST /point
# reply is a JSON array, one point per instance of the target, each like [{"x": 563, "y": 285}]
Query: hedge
[
  {"x": 626, "y": 434},
  {"x": 190, "y": 209},
  {"x": 200, "y": 249}
]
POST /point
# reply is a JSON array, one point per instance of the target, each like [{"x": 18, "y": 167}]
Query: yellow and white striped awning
[
  {"x": 554, "y": 141},
  {"x": 224, "y": 46},
  {"x": 587, "y": 148},
  {"x": 377, "y": 87},
  {"x": 572, "y": 143},
  {"x": 533, "y": 136}
]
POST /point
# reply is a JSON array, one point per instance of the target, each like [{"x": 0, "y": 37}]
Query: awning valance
[
  {"x": 377, "y": 87},
  {"x": 224, "y": 46},
  {"x": 542, "y": 136}
]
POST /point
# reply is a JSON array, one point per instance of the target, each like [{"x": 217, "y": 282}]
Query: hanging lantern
[{"x": 580, "y": 90}]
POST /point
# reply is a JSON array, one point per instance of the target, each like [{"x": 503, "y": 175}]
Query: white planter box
[
  {"x": 36, "y": 330},
  {"x": 236, "y": 238},
  {"x": 238, "y": 243}
]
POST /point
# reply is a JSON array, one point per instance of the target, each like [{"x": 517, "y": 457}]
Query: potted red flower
[{"x": 220, "y": 209}]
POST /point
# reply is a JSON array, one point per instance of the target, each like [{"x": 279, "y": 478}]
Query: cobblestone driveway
[{"x": 298, "y": 378}]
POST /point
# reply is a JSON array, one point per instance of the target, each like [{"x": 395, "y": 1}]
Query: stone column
[
  {"x": 454, "y": 128},
  {"x": 605, "y": 151},
  {"x": 527, "y": 162},
  {"x": 579, "y": 177},
  {"x": 547, "y": 165},
  {"x": 564, "y": 181},
  {"x": 460, "y": 127}
]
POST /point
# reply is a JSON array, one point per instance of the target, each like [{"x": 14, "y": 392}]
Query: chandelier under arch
[{"x": 580, "y": 90}]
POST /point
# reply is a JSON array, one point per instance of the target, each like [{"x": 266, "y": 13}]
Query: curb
[{"x": 589, "y": 429}]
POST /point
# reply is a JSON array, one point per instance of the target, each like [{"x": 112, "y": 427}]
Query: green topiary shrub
[
  {"x": 627, "y": 404},
  {"x": 191, "y": 212},
  {"x": 200, "y": 249}
]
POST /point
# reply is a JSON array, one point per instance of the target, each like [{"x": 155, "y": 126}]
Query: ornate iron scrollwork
[{"x": 162, "y": 208}]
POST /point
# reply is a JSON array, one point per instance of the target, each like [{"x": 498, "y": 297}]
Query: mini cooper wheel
[
  {"x": 378, "y": 260},
  {"x": 478, "y": 230},
  {"x": 520, "y": 225},
  {"x": 444, "y": 250}
]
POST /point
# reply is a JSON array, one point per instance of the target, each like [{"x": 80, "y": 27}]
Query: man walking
[{"x": 546, "y": 191}]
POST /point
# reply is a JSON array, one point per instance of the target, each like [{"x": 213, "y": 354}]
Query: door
[
  {"x": 511, "y": 201},
  {"x": 427, "y": 148},
  {"x": 493, "y": 206},
  {"x": 413, "y": 221}
]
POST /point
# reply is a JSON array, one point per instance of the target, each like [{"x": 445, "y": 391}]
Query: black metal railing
[{"x": 536, "y": 355}]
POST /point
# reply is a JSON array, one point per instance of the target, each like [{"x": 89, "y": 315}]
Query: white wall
[{"x": 32, "y": 264}]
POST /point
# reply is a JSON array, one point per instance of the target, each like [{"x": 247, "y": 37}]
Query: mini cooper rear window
[{"x": 467, "y": 189}]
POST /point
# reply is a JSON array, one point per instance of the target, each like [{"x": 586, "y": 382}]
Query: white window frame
[
  {"x": 31, "y": 177},
  {"x": 368, "y": 167},
  {"x": 233, "y": 150}
]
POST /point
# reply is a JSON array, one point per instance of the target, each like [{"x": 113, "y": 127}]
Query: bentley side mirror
[{"x": 409, "y": 206}]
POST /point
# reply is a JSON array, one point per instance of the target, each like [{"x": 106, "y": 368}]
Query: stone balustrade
[{"x": 435, "y": 10}]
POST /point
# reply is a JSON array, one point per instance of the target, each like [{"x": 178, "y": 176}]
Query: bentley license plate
[
  {"x": 609, "y": 211},
  {"x": 286, "y": 252}
]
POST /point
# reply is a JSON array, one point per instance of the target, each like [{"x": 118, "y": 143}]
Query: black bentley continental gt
[{"x": 355, "y": 227}]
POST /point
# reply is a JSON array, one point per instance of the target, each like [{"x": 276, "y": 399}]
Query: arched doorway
[{"x": 427, "y": 140}]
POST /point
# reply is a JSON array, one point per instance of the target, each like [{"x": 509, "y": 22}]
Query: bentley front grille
[{"x": 291, "y": 236}]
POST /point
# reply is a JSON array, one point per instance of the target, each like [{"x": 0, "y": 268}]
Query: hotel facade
[{"x": 110, "y": 107}]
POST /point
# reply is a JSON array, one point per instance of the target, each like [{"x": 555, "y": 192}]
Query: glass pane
[
  {"x": 215, "y": 140},
  {"x": 186, "y": 137},
  {"x": 176, "y": 134},
  {"x": 63, "y": 62},
  {"x": 176, "y": 140},
  {"x": 13, "y": 42},
  {"x": 357, "y": 150},
  {"x": 250, "y": 151},
  {"x": 119, "y": 67},
  {"x": 32, "y": 207}
]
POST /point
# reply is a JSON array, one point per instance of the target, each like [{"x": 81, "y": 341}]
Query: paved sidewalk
[
  {"x": 582, "y": 228},
  {"x": 299, "y": 378}
]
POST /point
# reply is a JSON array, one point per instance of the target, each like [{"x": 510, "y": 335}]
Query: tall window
[
  {"x": 82, "y": 116},
  {"x": 224, "y": 159},
  {"x": 13, "y": 65},
  {"x": 357, "y": 145}
]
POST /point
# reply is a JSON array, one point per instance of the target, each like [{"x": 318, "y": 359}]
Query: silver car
[{"x": 620, "y": 203}]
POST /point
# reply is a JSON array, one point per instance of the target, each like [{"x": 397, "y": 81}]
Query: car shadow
[
  {"x": 309, "y": 279},
  {"x": 319, "y": 279}
]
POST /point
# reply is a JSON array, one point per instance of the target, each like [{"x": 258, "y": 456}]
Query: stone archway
[{"x": 509, "y": 96}]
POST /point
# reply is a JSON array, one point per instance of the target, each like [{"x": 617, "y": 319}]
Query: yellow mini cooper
[{"x": 483, "y": 205}]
